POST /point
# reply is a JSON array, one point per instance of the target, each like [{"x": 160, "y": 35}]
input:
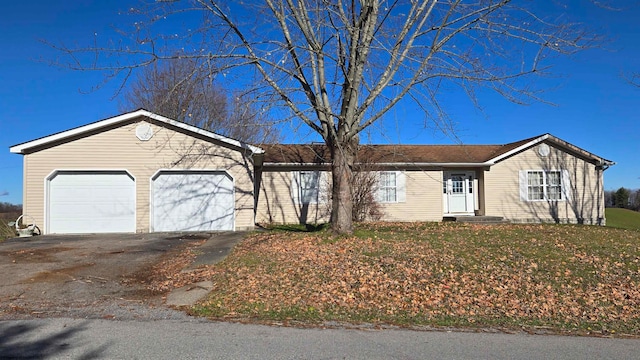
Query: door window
[{"x": 457, "y": 186}]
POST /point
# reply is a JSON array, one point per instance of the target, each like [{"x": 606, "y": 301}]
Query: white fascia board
[
  {"x": 558, "y": 141},
  {"x": 21, "y": 148},
  {"x": 519, "y": 148},
  {"x": 209, "y": 134},
  {"x": 601, "y": 161}
]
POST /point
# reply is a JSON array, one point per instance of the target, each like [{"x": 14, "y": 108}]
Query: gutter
[
  {"x": 417, "y": 164},
  {"x": 487, "y": 163},
  {"x": 605, "y": 164}
]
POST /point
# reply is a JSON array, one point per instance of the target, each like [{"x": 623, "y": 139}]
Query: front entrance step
[{"x": 477, "y": 219}]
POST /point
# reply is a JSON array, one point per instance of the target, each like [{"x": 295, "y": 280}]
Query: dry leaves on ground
[
  {"x": 425, "y": 273},
  {"x": 170, "y": 272}
]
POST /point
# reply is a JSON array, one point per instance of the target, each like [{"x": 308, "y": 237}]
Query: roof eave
[
  {"x": 291, "y": 164},
  {"x": 24, "y": 147},
  {"x": 519, "y": 148},
  {"x": 600, "y": 161},
  {"x": 436, "y": 164},
  {"x": 209, "y": 134},
  {"x": 404, "y": 164}
]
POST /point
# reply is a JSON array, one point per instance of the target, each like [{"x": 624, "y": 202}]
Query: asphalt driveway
[{"x": 90, "y": 275}]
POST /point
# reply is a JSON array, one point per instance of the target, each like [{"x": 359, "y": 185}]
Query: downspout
[
  {"x": 602, "y": 166},
  {"x": 257, "y": 159}
]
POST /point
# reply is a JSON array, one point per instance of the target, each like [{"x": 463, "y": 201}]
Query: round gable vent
[
  {"x": 144, "y": 131},
  {"x": 543, "y": 150}
]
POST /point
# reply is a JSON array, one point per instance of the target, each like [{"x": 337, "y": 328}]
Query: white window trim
[
  {"x": 564, "y": 185},
  {"x": 400, "y": 188},
  {"x": 381, "y": 188},
  {"x": 322, "y": 191},
  {"x": 314, "y": 190}
]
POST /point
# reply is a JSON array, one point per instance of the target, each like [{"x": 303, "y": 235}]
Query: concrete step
[{"x": 477, "y": 219}]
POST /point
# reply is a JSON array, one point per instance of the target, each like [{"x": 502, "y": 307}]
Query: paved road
[{"x": 199, "y": 339}]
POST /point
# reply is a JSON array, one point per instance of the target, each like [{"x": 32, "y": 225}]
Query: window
[
  {"x": 544, "y": 185},
  {"x": 388, "y": 187},
  {"x": 391, "y": 187},
  {"x": 535, "y": 185},
  {"x": 457, "y": 184},
  {"x": 309, "y": 186}
]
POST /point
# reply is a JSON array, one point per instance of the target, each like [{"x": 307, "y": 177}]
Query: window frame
[
  {"x": 383, "y": 189},
  {"x": 545, "y": 185},
  {"x": 302, "y": 191}
]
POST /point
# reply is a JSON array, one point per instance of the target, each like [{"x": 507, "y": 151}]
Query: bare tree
[
  {"x": 365, "y": 186},
  {"x": 6, "y": 207},
  {"x": 183, "y": 90},
  {"x": 634, "y": 79},
  {"x": 609, "y": 196},
  {"x": 338, "y": 66},
  {"x": 364, "y": 190}
]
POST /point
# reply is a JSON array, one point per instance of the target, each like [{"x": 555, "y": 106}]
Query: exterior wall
[
  {"x": 481, "y": 192},
  {"x": 276, "y": 205},
  {"x": 502, "y": 189},
  {"x": 423, "y": 198},
  {"x": 120, "y": 149}
]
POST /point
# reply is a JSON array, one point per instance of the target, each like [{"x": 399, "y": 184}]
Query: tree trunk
[{"x": 343, "y": 156}]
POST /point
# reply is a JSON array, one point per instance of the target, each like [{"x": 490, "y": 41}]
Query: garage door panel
[
  {"x": 91, "y": 202},
  {"x": 193, "y": 201}
]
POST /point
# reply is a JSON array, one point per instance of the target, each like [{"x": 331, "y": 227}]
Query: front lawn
[
  {"x": 622, "y": 218},
  {"x": 573, "y": 279}
]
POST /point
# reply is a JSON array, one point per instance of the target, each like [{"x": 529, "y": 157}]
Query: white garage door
[
  {"x": 91, "y": 202},
  {"x": 193, "y": 201}
]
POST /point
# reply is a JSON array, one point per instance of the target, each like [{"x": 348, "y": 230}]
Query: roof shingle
[{"x": 320, "y": 154}]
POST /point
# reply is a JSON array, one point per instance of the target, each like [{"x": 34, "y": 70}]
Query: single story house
[{"x": 142, "y": 172}]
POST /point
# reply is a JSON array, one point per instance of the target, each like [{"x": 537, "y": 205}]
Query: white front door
[{"x": 458, "y": 189}]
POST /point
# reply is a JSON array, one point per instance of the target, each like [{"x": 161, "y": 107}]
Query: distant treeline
[
  {"x": 6, "y": 207},
  {"x": 623, "y": 198}
]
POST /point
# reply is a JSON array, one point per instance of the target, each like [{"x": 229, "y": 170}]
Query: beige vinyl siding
[
  {"x": 423, "y": 198},
  {"x": 480, "y": 193},
  {"x": 276, "y": 204},
  {"x": 502, "y": 189},
  {"x": 120, "y": 149}
]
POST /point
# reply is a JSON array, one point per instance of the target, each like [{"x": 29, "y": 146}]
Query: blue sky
[{"x": 596, "y": 109}]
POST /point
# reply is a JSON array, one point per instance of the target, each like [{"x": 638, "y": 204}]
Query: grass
[
  {"x": 623, "y": 218},
  {"x": 6, "y": 231},
  {"x": 565, "y": 278}
]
